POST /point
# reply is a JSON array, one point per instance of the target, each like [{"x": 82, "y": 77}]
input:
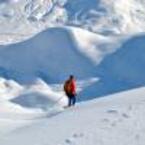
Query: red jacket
[
  {"x": 70, "y": 87},
  {"x": 73, "y": 87}
]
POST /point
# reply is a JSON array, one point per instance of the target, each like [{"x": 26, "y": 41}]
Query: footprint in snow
[
  {"x": 111, "y": 111},
  {"x": 105, "y": 120},
  {"x": 137, "y": 136},
  {"x": 113, "y": 124},
  {"x": 75, "y": 135},
  {"x": 125, "y": 115},
  {"x": 130, "y": 108},
  {"x": 68, "y": 141},
  {"x": 71, "y": 141}
]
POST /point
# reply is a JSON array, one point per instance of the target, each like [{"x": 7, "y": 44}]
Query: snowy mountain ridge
[{"x": 23, "y": 19}]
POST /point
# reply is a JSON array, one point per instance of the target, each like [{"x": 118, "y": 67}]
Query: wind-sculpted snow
[
  {"x": 56, "y": 53},
  {"x": 51, "y": 55},
  {"x": 45, "y": 57},
  {"x": 121, "y": 70},
  {"x": 131, "y": 60},
  {"x": 124, "y": 69}
]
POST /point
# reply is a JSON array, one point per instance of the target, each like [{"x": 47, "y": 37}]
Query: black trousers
[{"x": 71, "y": 99}]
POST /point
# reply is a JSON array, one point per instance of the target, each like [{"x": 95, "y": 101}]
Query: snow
[
  {"x": 22, "y": 19},
  {"x": 101, "y": 43},
  {"x": 92, "y": 56},
  {"x": 43, "y": 61},
  {"x": 115, "y": 119},
  {"x": 95, "y": 46}
]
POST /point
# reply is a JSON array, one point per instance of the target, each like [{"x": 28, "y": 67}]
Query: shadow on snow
[{"x": 122, "y": 70}]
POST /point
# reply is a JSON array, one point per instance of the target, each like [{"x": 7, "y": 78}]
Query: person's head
[{"x": 71, "y": 77}]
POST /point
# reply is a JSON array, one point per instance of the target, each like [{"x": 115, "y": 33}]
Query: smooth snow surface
[{"x": 116, "y": 119}]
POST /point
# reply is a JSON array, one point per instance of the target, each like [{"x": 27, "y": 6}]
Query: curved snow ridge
[
  {"x": 78, "y": 47},
  {"x": 9, "y": 89},
  {"x": 41, "y": 49},
  {"x": 37, "y": 96},
  {"x": 95, "y": 46},
  {"x": 29, "y": 107},
  {"x": 38, "y": 99},
  {"x": 43, "y": 96}
]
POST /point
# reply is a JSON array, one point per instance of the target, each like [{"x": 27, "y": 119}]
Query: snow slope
[
  {"x": 121, "y": 70},
  {"x": 117, "y": 62},
  {"x": 116, "y": 119},
  {"x": 97, "y": 41},
  {"x": 52, "y": 56},
  {"x": 106, "y": 32}
]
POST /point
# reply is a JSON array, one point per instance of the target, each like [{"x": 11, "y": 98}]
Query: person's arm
[{"x": 74, "y": 87}]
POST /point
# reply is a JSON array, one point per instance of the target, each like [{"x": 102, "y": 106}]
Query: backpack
[{"x": 68, "y": 87}]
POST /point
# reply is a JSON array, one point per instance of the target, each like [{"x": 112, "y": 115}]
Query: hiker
[{"x": 70, "y": 90}]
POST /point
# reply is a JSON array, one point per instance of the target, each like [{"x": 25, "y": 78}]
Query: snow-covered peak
[
  {"x": 126, "y": 16},
  {"x": 119, "y": 16},
  {"x": 21, "y": 19}
]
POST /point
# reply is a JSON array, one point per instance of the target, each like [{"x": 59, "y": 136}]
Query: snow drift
[
  {"x": 121, "y": 70},
  {"x": 56, "y": 53}
]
